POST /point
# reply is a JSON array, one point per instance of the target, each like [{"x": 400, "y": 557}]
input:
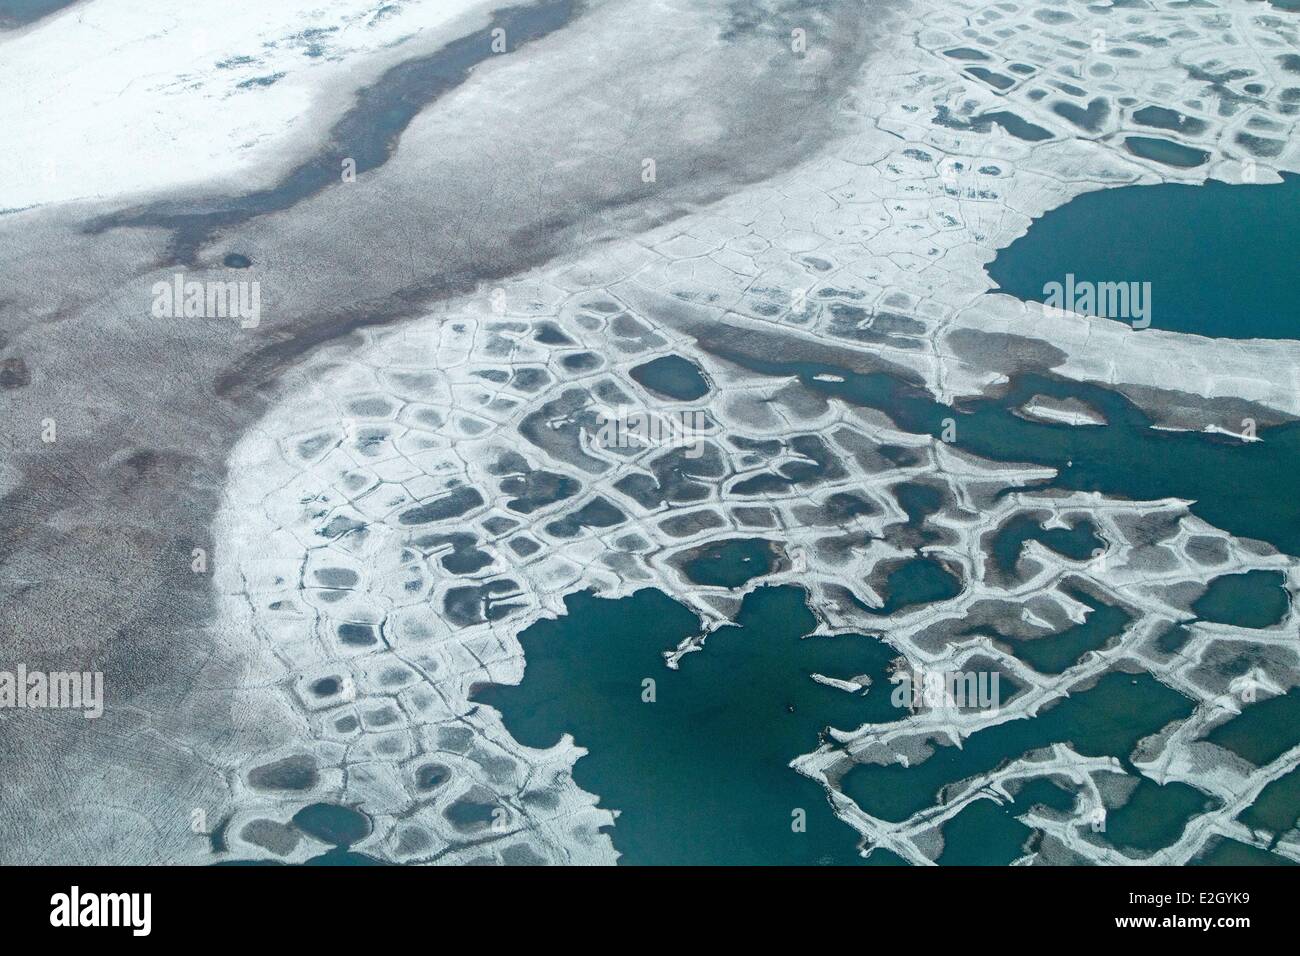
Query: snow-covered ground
[{"x": 121, "y": 97}]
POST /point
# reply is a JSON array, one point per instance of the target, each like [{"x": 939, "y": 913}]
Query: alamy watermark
[
  {"x": 919, "y": 688},
  {"x": 56, "y": 690},
  {"x": 639, "y": 428},
  {"x": 75, "y": 908},
  {"x": 1125, "y": 301},
  {"x": 211, "y": 299}
]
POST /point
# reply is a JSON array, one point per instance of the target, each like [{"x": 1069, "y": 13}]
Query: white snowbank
[{"x": 115, "y": 97}]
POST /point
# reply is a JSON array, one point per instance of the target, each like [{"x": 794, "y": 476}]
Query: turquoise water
[
  {"x": 1252, "y": 599},
  {"x": 1243, "y": 487},
  {"x": 998, "y": 81},
  {"x": 1057, "y": 653},
  {"x": 1166, "y": 151},
  {"x": 919, "y": 581},
  {"x": 1077, "y": 542},
  {"x": 1154, "y": 816},
  {"x": 331, "y": 823},
  {"x": 1277, "y": 808},
  {"x": 1013, "y": 123},
  {"x": 731, "y": 564},
  {"x": 1164, "y": 118},
  {"x": 1264, "y": 731},
  {"x": 673, "y": 377},
  {"x": 1212, "y": 271},
  {"x": 1108, "y": 719},
  {"x": 701, "y": 774},
  {"x": 985, "y": 833},
  {"x": 1231, "y": 853}
]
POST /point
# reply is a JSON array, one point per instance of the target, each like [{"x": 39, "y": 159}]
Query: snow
[{"x": 123, "y": 97}]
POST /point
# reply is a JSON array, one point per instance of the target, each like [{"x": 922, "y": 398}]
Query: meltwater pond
[
  {"x": 1220, "y": 258},
  {"x": 700, "y": 774}
]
